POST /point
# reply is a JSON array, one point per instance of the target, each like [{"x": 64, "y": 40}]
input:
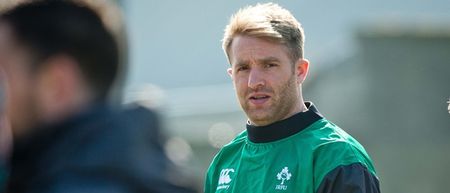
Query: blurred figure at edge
[{"x": 60, "y": 63}]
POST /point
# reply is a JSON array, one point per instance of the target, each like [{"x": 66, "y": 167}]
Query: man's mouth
[{"x": 259, "y": 99}]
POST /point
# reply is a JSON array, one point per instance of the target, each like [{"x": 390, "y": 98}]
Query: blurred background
[{"x": 379, "y": 69}]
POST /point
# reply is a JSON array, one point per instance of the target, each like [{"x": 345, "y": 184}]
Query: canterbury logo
[
  {"x": 224, "y": 179},
  {"x": 225, "y": 176}
]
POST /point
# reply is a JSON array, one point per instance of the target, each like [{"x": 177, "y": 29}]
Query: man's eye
[
  {"x": 270, "y": 65},
  {"x": 242, "y": 68}
]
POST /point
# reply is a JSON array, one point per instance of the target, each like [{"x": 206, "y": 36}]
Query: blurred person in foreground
[
  {"x": 60, "y": 63},
  {"x": 288, "y": 145}
]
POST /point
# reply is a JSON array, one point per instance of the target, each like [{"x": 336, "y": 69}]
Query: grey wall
[{"x": 392, "y": 97}]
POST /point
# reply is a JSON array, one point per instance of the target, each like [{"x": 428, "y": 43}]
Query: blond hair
[{"x": 267, "y": 21}]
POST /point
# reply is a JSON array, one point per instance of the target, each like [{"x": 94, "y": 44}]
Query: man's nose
[{"x": 256, "y": 79}]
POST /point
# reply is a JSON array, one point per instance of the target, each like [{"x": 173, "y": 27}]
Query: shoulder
[
  {"x": 229, "y": 149},
  {"x": 123, "y": 136},
  {"x": 112, "y": 132},
  {"x": 326, "y": 137},
  {"x": 334, "y": 148},
  {"x": 118, "y": 146},
  {"x": 235, "y": 144},
  {"x": 121, "y": 140},
  {"x": 225, "y": 155},
  {"x": 334, "y": 141},
  {"x": 239, "y": 139}
]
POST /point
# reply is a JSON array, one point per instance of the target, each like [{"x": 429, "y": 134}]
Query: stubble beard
[{"x": 283, "y": 103}]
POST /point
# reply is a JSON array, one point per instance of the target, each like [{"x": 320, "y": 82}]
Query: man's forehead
[{"x": 245, "y": 49}]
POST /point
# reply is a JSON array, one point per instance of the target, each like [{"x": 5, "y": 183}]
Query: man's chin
[{"x": 260, "y": 119}]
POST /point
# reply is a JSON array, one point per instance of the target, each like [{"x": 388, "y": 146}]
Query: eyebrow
[
  {"x": 269, "y": 59},
  {"x": 260, "y": 61}
]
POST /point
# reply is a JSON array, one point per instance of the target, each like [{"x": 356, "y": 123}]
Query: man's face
[
  {"x": 265, "y": 79},
  {"x": 17, "y": 83}
]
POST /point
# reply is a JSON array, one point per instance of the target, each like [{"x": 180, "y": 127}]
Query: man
[
  {"x": 288, "y": 145},
  {"x": 60, "y": 62}
]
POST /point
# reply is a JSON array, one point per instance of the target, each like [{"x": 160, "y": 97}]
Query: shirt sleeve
[{"x": 353, "y": 178}]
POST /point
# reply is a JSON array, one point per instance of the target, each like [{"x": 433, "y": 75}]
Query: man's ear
[
  {"x": 59, "y": 83},
  {"x": 59, "y": 76},
  {"x": 301, "y": 70},
  {"x": 230, "y": 72}
]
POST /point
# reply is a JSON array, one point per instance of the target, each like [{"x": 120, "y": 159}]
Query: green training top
[{"x": 305, "y": 153}]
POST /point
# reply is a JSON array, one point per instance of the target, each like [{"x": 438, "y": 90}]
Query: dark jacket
[{"x": 101, "y": 150}]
